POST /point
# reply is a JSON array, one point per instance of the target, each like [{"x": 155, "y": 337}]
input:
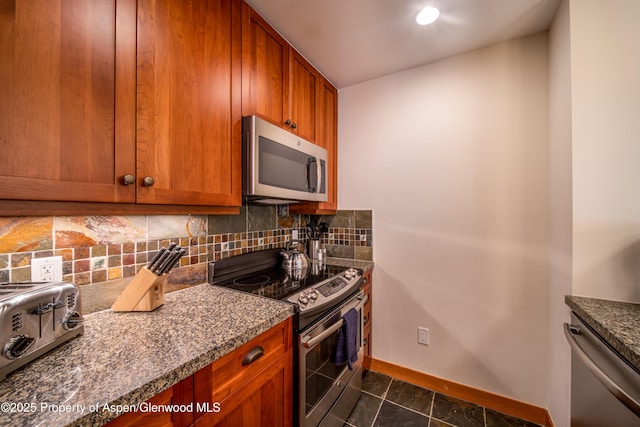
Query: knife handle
[
  {"x": 156, "y": 259},
  {"x": 177, "y": 260}
]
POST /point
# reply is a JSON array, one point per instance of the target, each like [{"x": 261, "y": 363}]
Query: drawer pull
[{"x": 252, "y": 355}]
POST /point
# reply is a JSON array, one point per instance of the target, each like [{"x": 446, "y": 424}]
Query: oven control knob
[
  {"x": 71, "y": 320},
  {"x": 17, "y": 346},
  {"x": 313, "y": 295},
  {"x": 303, "y": 299}
]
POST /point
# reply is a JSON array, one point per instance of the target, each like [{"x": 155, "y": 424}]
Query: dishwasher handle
[{"x": 572, "y": 332}]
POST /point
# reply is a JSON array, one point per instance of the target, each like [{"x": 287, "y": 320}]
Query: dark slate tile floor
[{"x": 390, "y": 402}]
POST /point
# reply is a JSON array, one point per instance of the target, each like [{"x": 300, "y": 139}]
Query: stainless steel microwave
[{"x": 280, "y": 167}]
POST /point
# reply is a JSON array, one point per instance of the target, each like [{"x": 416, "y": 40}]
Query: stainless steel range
[
  {"x": 35, "y": 318},
  {"x": 328, "y": 300}
]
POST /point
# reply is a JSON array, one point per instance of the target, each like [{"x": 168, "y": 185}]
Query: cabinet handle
[
  {"x": 148, "y": 181},
  {"x": 128, "y": 179},
  {"x": 287, "y": 122},
  {"x": 294, "y": 125},
  {"x": 365, "y": 342},
  {"x": 365, "y": 319},
  {"x": 252, "y": 355}
]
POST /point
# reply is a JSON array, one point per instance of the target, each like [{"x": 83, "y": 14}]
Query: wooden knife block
[{"x": 144, "y": 293}]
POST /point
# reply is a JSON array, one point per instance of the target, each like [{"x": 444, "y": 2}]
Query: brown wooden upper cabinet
[
  {"x": 278, "y": 83},
  {"x": 121, "y": 101},
  {"x": 281, "y": 86},
  {"x": 327, "y": 137},
  {"x": 138, "y": 104},
  {"x": 189, "y": 132},
  {"x": 66, "y": 131}
]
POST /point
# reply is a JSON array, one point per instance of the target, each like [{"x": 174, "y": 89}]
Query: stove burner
[{"x": 252, "y": 280}]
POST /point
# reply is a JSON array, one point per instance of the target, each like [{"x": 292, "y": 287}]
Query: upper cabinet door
[
  {"x": 278, "y": 83},
  {"x": 326, "y": 137},
  {"x": 66, "y": 133},
  {"x": 189, "y": 132},
  {"x": 303, "y": 86},
  {"x": 265, "y": 75}
]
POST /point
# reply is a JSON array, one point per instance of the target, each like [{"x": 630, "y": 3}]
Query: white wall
[
  {"x": 561, "y": 215},
  {"x": 605, "y": 76},
  {"x": 453, "y": 158}
]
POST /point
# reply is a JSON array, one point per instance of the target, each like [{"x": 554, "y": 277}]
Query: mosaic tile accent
[{"x": 95, "y": 249}]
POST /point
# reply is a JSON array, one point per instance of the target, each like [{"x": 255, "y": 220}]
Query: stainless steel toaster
[{"x": 35, "y": 318}]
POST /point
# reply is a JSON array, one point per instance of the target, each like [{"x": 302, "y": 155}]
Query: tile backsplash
[{"x": 101, "y": 248}]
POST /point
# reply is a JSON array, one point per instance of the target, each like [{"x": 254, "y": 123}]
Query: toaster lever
[
  {"x": 42, "y": 309},
  {"x": 58, "y": 304}
]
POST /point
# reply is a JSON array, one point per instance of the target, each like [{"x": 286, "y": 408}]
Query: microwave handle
[
  {"x": 319, "y": 170},
  {"x": 312, "y": 178}
]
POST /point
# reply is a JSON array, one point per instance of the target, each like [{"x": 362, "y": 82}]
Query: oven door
[{"x": 329, "y": 392}]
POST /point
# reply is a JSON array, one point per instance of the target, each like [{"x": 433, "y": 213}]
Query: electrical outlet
[
  {"x": 46, "y": 269},
  {"x": 294, "y": 234},
  {"x": 423, "y": 336}
]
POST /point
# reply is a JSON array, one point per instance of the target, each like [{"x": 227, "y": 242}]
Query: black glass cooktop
[
  {"x": 260, "y": 274},
  {"x": 276, "y": 283}
]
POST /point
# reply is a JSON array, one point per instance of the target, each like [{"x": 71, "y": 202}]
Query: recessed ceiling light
[{"x": 427, "y": 15}]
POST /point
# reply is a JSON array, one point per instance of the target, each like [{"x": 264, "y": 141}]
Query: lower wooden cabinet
[
  {"x": 366, "y": 332},
  {"x": 179, "y": 394},
  {"x": 251, "y": 386}
]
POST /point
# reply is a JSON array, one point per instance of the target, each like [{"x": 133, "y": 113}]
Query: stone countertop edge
[
  {"x": 617, "y": 322},
  {"x": 127, "y": 358}
]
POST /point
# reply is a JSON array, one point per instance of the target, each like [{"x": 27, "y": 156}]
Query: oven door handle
[{"x": 315, "y": 340}]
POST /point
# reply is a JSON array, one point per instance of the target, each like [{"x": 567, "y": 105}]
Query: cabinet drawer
[
  {"x": 266, "y": 400},
  {"x": 366, "y": 314},
  {"x": 366, "y": 288},
  {"x": 226, "y": 375}
]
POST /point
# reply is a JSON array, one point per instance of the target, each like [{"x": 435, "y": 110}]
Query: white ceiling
[{"x": 351, "y": 41}]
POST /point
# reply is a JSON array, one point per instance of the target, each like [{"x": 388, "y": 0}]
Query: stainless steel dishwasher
[{"x": 605, "y": 388}]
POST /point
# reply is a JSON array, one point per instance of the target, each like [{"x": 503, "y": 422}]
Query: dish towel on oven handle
[{"x": 346, "y": 345}]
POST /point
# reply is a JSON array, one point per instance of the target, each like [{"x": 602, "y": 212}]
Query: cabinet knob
[
  {"x": 148, "y": 181},
  {"x": 294, "y": 125},
  {"x": 287, "y": 122},
  {"x": 128, "y": 179}
]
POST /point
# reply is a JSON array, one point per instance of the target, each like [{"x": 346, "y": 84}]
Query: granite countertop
[
  {"x": 345, "y": 262},
  {"x": 127, "y": 358},
  {"x": 615, "y": 321}
]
